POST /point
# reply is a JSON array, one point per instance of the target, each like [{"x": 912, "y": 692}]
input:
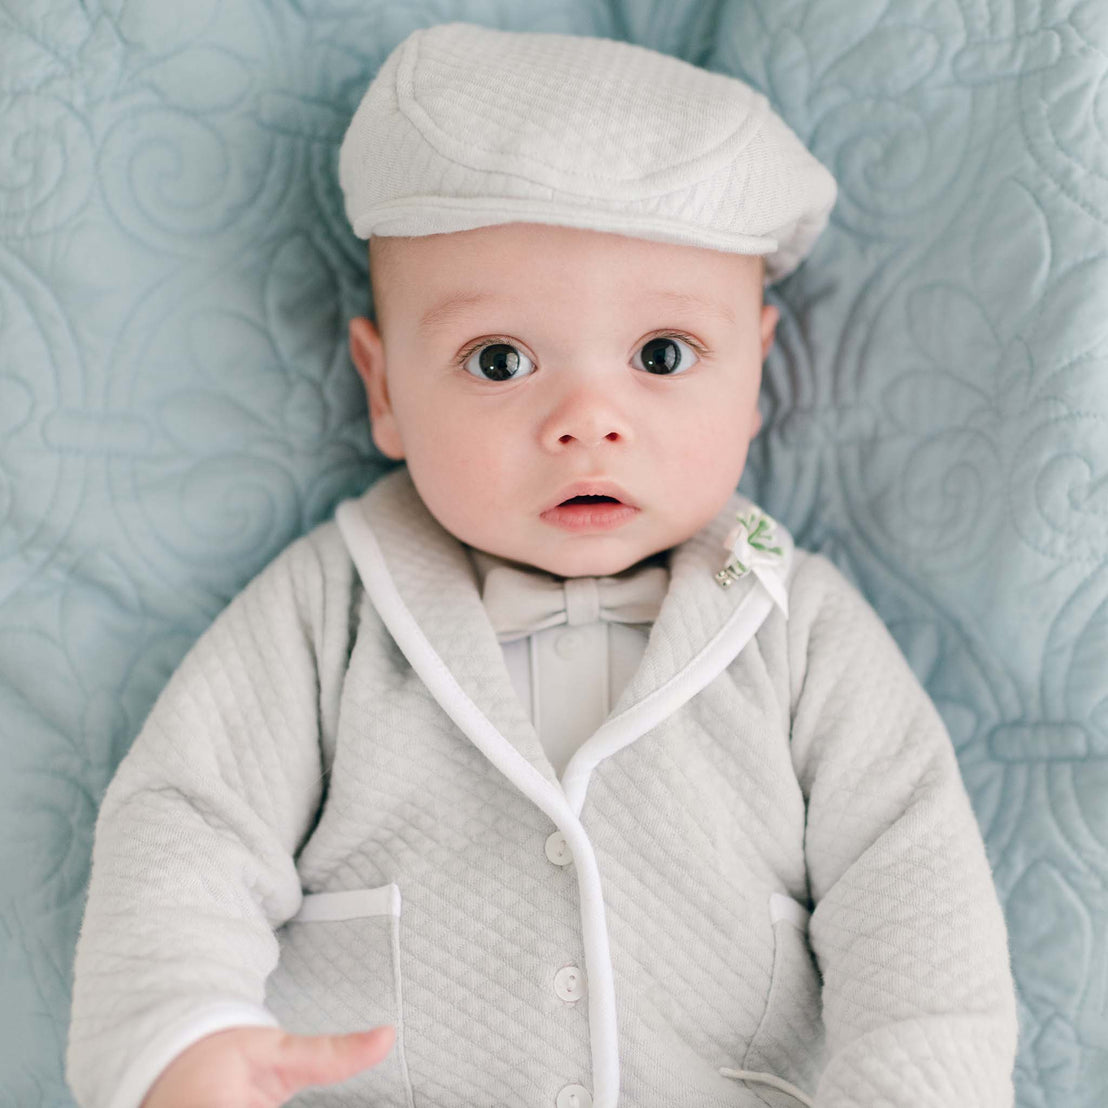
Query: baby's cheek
[
  {"x": 706, "y": 465},
  {"x": 461, "y": 479},
  {"x": 441, "y": 441},
  {"x": 714, "y": 442}
]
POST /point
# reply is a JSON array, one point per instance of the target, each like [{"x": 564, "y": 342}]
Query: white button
[
  {"x": 568, "y": 644},
  {"x": 569, "y": 984},
  {"x": 574, "y": 1096},
  {"x": 557, "y": 849}
]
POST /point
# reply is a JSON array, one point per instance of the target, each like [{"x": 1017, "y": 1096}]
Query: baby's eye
[
  {"x": 497, "y": 361},
  {"x": 663, "y": 355}
]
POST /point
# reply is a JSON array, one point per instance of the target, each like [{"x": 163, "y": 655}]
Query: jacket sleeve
[
  {"x": 919, "y": 1003},
  {"x": 193, "y": 854}
]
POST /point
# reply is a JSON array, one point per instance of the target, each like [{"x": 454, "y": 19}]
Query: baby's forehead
[
  {"x": 435, "y": 286},
  {"x": 433, "y": 283}
]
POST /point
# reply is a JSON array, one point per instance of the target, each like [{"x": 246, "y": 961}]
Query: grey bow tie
[{"x": 520, "y": 603}]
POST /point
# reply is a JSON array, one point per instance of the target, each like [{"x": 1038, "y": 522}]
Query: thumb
[{"x": 326, "y": 1059}]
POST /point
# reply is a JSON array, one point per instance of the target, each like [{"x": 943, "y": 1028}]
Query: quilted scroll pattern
[{"x": 177, "y": 402}]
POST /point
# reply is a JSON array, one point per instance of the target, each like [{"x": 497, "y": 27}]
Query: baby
[{"x": 549, "y": 773}]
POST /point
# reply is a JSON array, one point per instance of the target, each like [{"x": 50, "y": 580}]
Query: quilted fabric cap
[{"x": 467, "y": 126}]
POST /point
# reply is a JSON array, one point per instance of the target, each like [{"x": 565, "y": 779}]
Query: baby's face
[{"x": 575, "y": 356}]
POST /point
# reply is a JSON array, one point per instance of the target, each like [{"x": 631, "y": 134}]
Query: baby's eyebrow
[
  {"x": 452, "y": 306},
  {"x": 445, "y": 310},
  {"x": 691, "y": 300}
]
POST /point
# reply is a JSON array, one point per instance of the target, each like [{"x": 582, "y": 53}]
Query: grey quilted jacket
[{"x": 760, "y": 882}]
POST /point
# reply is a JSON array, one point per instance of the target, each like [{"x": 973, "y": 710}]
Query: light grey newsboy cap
[{"x": 467, "y": 126}]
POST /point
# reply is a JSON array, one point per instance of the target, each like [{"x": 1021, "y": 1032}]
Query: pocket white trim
[
  {"x": 349, "y": 904},
  {"x": 782, "y": 907}
]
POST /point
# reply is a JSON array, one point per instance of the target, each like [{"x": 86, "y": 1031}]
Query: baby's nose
[
  {"x": 586, "y": 416},
  {"x": 584, "y": 429}
]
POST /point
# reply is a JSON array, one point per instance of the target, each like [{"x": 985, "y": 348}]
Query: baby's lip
[{"x": 591, "y": 487}]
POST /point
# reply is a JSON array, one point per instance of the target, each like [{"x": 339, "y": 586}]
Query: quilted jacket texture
[{"x": 338, "y": 814}]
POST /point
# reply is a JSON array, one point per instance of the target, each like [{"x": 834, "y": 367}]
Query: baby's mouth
[
  {"x": 598, "y": 493},
  {"x": 590, "y": 512}
]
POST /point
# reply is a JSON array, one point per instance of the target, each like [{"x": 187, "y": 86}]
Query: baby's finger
[{"x": 326, "y": 1059}]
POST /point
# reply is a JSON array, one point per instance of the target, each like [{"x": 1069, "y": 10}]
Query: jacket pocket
[
  {"x": 789, "y": 1039},
  {"x": 338, "y": 970}
]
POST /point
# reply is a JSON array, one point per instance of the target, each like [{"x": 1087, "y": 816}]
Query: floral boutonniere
[
  {"x": 752, "y": 547},
  {"x": 749, "y": 544}
]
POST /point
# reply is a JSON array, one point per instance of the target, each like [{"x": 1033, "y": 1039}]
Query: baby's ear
[{"x": 367, "y": 351}]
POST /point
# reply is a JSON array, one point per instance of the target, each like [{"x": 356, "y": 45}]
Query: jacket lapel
[
  {"x": 437, "y": 583},
  {"x": 694, "y": 610}
]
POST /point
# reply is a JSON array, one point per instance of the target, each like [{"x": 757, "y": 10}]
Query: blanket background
[{"x": 177, "y": 402}]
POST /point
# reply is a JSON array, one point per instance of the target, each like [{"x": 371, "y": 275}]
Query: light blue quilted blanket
[{"x": 177, "y": 402}]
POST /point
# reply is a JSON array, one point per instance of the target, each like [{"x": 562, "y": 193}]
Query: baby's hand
[{"x": 262, "y": 1067}]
